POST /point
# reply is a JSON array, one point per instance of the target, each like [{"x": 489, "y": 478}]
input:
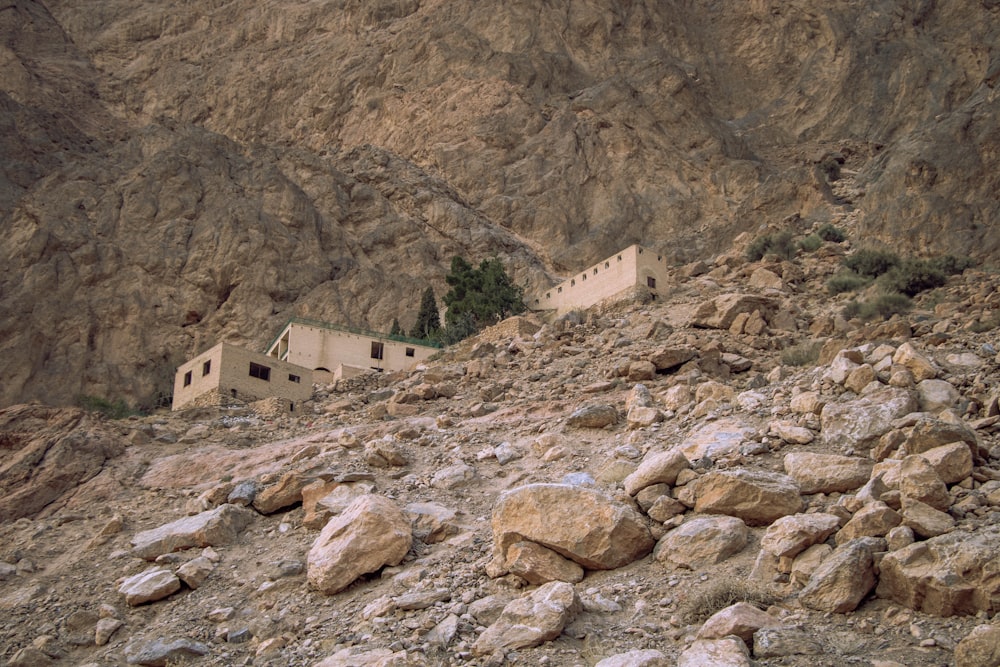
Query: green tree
[
  {"x": 479, "y": 296},
  {"x": 428, "y": 323},
  {"x": 396, "y": 330}
]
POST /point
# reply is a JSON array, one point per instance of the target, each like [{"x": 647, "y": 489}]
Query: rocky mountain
[
  {"x": 176, "y": 175},
  {"x": 732, "y": 475}
]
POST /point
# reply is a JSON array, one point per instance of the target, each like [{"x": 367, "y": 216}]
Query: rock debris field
[{"x": 731, "y": 475}]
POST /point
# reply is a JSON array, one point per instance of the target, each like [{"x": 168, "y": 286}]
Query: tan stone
[
  {"x": 790, "y": 535},
  {"x": 807, "y": 402},
  {"x": 717, "y": 438},
  {"x": 979, "y": 648},
  {"x": 843, "y": 579},
  {"x": 921, "y": 366},
  {"x": 858, "y": 422},
  {"x": 639, "y": 371},
  {"x": 640, "y": 417},
  {"x": 873, "y": 520},
  {"x": 372, "y": 532},
  {"x": 756, "y": 497},
  {"x": 725, "y": 652},
  {"x": 953, "y": 462},
  {"x": 919, "y": 480},
  {"x": 432, "y": 522},
  {"x": 194, "y": 572},
  {"x": 667, "y": 358},
  {"x": 531, "y": 619},
  {"x": 741, "y": 620},
  {"x": 538, "y": 565},
  {"x": 827, "y": 473},
  {"x": 637, "y": 658},
  {"x": 677, "y": 397},
  {"x": 807, "y": 562},
  {"x": 579, "y": 523},
  {"x": 702, "y": 541},
  {"x": 954, "y": 574},
  {"x": 216, "y": 527},
  {"x": 336, "y": 499},
  {"x": 593, "y": 416},
  {"x": 791, "y": 433},
  {"x": 860, "y": 377},
  {"x": 656, "y": 468},
  {"x": 930, "y": 433},
  {"x": 924, "y": 520},
  {"x": 665, "y": 508},
  {"x": 937, "y": 395},
  {"x": 285, "y": 493},
  {"x": 149, "y": 586}
]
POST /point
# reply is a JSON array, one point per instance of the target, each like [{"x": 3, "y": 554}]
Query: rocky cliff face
[{"x": 173, "y": 176}]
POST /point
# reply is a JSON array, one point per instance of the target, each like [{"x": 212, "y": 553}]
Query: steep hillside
[{"x": 177, "y": 175}]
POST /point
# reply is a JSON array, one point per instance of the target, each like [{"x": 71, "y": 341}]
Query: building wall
[
  {"x": 632, "y": 266},
  {"x": 230, "y": 371},
  {"x": 318, "y": 347}
]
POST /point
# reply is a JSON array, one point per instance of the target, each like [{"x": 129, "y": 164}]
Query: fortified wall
[{"x": 634, "y": 266}]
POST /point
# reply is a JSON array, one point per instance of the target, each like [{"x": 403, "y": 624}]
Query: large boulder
[
  {"x": 593, "y": 416},
  {"x": 531, "y": 620},
  {"x": 741, "y": 620},
  {"x": 703, "y": 541},
  {"x": 725, "y": 652},
  {"x": 648, "y": 657},
  {"x": 827, "y": 473},
  {"x": 859, "y": 422},
  {"x": 717, "y": 438},
  {"x": 371, "y": 533},
  {"x": 949, "y": 575},
  {"x": 579, "y": 523},
  {"x": 842, "y": 580},
  {"x": 149, "y": 586},
  {"x": 216, "y": 527},
  {"x": 757, "y": 497},
  {"x": 720, "y": 312},
  {"x": 980, "y": 648}
]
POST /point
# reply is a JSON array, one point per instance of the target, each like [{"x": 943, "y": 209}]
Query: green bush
[
  {"x": 885, "y": 306},
  {"x": 950, "y": 265},
  {"x": 479, "y": 297},
  {"x": 803, "y": 354},
  {"x": 811, "y": 243},
  {"x": 779, "y": 244},
  {"x": 911, "y": 277},
  {"x": 830, "y": 233},
  {"x": 871, "y": 263},
  {"x": 846, "y": 281},
  {"x": 116, "y": 409},
  {"x": 851, "y": 310}
]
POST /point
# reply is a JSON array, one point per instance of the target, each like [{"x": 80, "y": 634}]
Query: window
[
  {"x": 651, "y": 282},
  {"x": 187, "y": 379},
  {"x": 291, "y": 406},
  {"x": 410, "y": 351},
  {"x": 559, "y": 290},
  {"x": 607, "y": 265},
  {"x": 260, "y": 372},
  {"x": 640, "y": 251},
  {"x": 572, "y": 283},
  {"x": 619, "y": 258},
  {"x": 294, "y": 378},
  {"x": 595, "y": 271},
  {"x": 584, "y": 277},
  {"x": 377, "y": 350},
  {"x": 233, "y": 392},
  {"x": 206, "y": 368},
  {"x": 548, "y": 295}
]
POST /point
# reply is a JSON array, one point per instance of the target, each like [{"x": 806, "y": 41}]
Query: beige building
[
  {"x": 227, "y": 372},
  {"x": 633, "y": 267},
  {"x": 345, "y": 352}
]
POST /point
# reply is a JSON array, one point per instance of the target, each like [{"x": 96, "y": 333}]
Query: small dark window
[
  {"x": 559, "y": 290},
  {"x": 377, "y": 350},
  {"x": 410, "y": 351},
  {"x": 260, "y": 372},
  {"x": 294, "y": 378},
  {"x": 206, "y": 368},
  {"x": 595, "y": 272},
  {"x": 572, "y": 283},
  {"x": 640, "y": 251},
  {"x": 584, "y": 277},
  {"x": 651, "y": 282},
  {"x": 607, "y": 265},
  {"x": 291, "y": 406},
  {"x": 187, "y": 379},
  {"x": 548, "y": 295},
  {"x": 619, "y": 258},
  {"x": 233, "y": 392}
]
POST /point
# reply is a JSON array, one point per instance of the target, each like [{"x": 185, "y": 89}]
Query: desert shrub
[
  {"x": 851, "y": 310},
  {"x": 885, "y": 306},
  {"x": 721, "y": 594},
  {"x": 830, "y": 233},
  {"x": 803, "y": 354},
  {"x": 811, "y": 243},
  {"x": 950, "y": 265},
  {"x": 846, "y": 281},
  {"x": 871, "y": 263},
  {"x": 911, "y": 277},
  {"x": 112, "y": 409},
  {"x": 779, "y": 244}
]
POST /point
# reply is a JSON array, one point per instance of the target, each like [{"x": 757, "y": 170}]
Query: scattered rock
[
  {"x": 531, "y": 620},
  {"x": 637, "y": 658},
  {"x": 149, "y": 586},
  {"x": 790, "y": 535},
  {"x": 703, "y": 541},
  {"x": 725, "y": 652},
  {"x": 979, "y": 648},
  {"x": 216, "y": 527},
  {"x": 827, "y": 473},
  {"x": 842, "y": 580},
  {"x": 755, "y": 496},
  {"x": 741, "y": 620},
  {"x": 593, "y": 416},
  {"x": 162, "y": 651},
  {"x": 658, "y": 468}
]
